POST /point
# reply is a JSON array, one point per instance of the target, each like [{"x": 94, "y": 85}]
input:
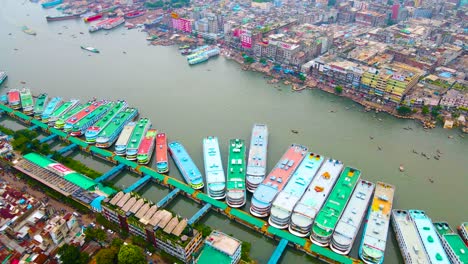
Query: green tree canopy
[
  {"x": 404, "y": 110},
  {"x": 107, "y": 256},
  {"x": 71, "y": 255},
  {"x": 95, "y": 234},
  {"x": 338, "y": 89},
  {"x": 131, "y": 254},
  {"x": 425, "y": 110}
]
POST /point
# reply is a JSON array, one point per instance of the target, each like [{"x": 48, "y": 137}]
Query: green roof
[
  {"x": 40, "y": 124},
  {"x": 102, "y": 152},
  {"x": 235, "y": 171},
  {"x": 38, "y": 159},
  {"x": 184, "y": 187},
  {"x": 247, "y": 218},
  {"x": 58, "y": 132},
  {"x": 458, "y": 246},
  {"x": 106, "y": 189},
  {"x": 80, "y": 180},
  {"x": 331, "y": 255},
  {"x": 210, "y": 255},
  {"x": 211, "y": 201},
  {"x": 22, "y": 116},
  {"x": 149, "y": 171},
  {"x": 126, "y": 162},
  {"x": 6, "y": 108},
  {"x": 287, "y": 236},
  {"x": 78, "y": 141}
]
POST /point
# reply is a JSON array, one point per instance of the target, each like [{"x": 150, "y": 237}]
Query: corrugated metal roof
[
  {"x": 38, "y": 159},
  {"x": 80, "y": 180}
]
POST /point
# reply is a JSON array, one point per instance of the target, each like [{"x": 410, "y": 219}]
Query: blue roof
[
  {"x": 96, "y": 203},
  {"x": 445, "y": 75},
  {"x": 185, "y": 164},
  {"x": 264, "y": 195}
]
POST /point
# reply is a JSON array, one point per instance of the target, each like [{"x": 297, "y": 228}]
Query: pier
[
  {"x": 111, "y": 173},
  {"x": 33, "y": 128},
  {"x": 66, "y": 149},
  {"x": 48, "y": 138},
  {"x": 138, "y": 184},
  {"x": 199, "y": 214},
  {"x": 164, "y": 201},
  {"x": 278, "y": 251}
]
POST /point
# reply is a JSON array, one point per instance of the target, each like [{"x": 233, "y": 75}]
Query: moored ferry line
[
  {"x": 14, "y": 99},
  {"x": 122, "y": 141},
  {"x": 93, "y": 131},
  {"x": 186, "y": 166},
  {"x": 429, "y": 238},
  {"x": 276, "y": 180},
  {"x": 257, "y": 161},
  {"x": 463, "y": 230},
  {"x": 78, "y": 124},
  {"x": 39, "y": 106},
  {"x": 291, "y": 194},
  {"x": 411, "y": 247},
  {"x": 53, "y": 104},
  {"x": 374, "y": 238},
  {"x": 327, "y": 219},
  {"x": 236, "y": 195},
  {"x": 146, "y": 149},
  {"x": 137, "y": 136},
  {"x": 63, "y": 110},
  {"x": 348, "y": 226},
  {"x": 311, "y": 202},
  {"x": 214, "y": 172},
  {"x": 162, "y": 161},
  {"x": 60, "y": 123},
  {"x": 453, "y": 244},
  {"x": 27, "y": 102},
  {"x": 108, "y": 135}
]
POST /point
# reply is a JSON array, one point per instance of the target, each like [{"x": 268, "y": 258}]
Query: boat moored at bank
[
  {"x": 115, "y": 22},
  {"x": 78, "y": 123},
  {"x": 14, "y": 100},
  {"x": 63, "y": 110},
  {"x": 146, "y": 149},
  {"x": 124, "y": 138},
  {"x": 51, "y": 3},
  {"x": 214, "y": 173},
  {"x": 108, "y": 134},
  {"x": 284, "y": 203},
  {"x": 40, "y": 105},
  {"x": 307, "y": 208},
  {"x": 374, "y": 238},
  {"x": 27, "y": 102},
  {"x": 162, "y": 161},
  {"x": 137, "y": 136},
  {"x": 50, "y": 18},
  {"x": 276, "y": 180},
  {"x": 236, "y": 195},
  {"x": 186, "y": 166},
  {"x": 453, "y": 244},
  {"x": 93, "y": 131},
  {"x": 135, "y": 13},
  {"x": 463, "y": 230},
  {"x": 257, "y": 160},
  {"x": 53, "y": 104},
  {"x": 350, "y": 222}
]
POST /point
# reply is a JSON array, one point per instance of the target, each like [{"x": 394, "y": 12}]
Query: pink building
[{"x": 182, "y": 24}]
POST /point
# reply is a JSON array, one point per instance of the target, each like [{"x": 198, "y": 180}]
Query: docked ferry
[
  {"x": 291, "y": 194},
  {"x": 51, "y": 3},
  {"x": 40, "y": 105},
  {"x": 348, "y": 226},
  {"x": 60, "y": 123},
  {"x": 327, "y": 219},
  {"x": 14, "y": 100},
  {"x": 236, "y": 195},
  {"x": 3, "y": 77},
  {"x": 108, "y": 134},
  {"x": 27, "y": 102},
  {"x": 78, "y": 124},
  {"x": 162, "y": 161},
  {"x": 65, "y": 16},
  {"x": 257, "y": 161},
  {"x": 453, "y": 244},
  {"x": 137, "y": 136},
  {"x": 135, "y": 13},
  {"x": 311, "y": 202},
  {"x": 62, "y": 110},
  {"x": 214, "y": 173},
  {"x": 93, "y": 131},
  {"x": 115, "y": 22},
  {"x": 463, "y": 230},
  {"x": 122, "y": 141},
  {"x": 275, "y": 181},
  {"x": 146, "y": 149},
  {"x": 53, "y": 104},
  {"x": 374, "y": 238},
  {"x": 411, "y": 247},
  {"x": 186, "y": 166}
]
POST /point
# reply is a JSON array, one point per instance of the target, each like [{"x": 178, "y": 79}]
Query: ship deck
[
  {"x": 185, "y": 162},
  {"x": 63, "y": 109},
  {"x": 454, "y": 241},
  {"x": 236, "y": 165},
  {"x": 40, "y": 103},
  {"x": 100, "y": 110},
  {"x": 116, "y": 107},
  {"x": 13, "y": 96},
  {"x": 212, "y": 160},
  {"x": 126, "y": 133},
  {"x": 138, "y": 133},
  {"x": 256, "y": 163},
  {"x": 161, "y": 147},
  {"x": 52, "y": 105},
  {"x": 75, "y": 118},
  {"x": 117, "y": 120},
  {"x": 147, "y": 141},
  {"x": 26, "y": 98}
]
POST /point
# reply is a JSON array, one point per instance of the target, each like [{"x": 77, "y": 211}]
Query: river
[{"x": 218, "y": 98}]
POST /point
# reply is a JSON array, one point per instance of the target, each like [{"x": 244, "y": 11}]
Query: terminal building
[{"x": 220, "y": 248}]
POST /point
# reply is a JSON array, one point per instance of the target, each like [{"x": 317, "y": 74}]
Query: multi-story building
[
  {"x": 455, "y": 99},
  {"x": 220, "y": 248},
  {"x": 371, "y": 18}
]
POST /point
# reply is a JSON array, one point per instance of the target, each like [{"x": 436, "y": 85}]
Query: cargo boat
[
  {"x": 257, "y": 161},
  {"x": 146, "y": 149},
  {"x": 291, "y": 194},
  {"x": 78, "y": 123},
  {"x": 275, "y": 181},
  {"x": 27, "y": 102},
  {"x": 411, "y": 247},
  {"x": 62, "y": 110},
  {"x": 90, "y": 49},
  {"x": 93, "y": 17},
  {"x": 60, "y": 123},
  {"x": 186, "y": 166},
  {"x": 453, "y": 244},
  {"x": 311, "y": 202},
  {"x": 198, "y": 59},
  {"x": 214, "y": 173},
  {"x": 133, "y": 14},
  {"x": 162, "y": 161},
  {"x": 122, "y": 141},
  {"x": 327, "y": 219},
  {"x": 50, "y": 18},
  {"x": 14, "y": 99},
  {"x": 374, "y": 237},
  {"x": 236, "y": 195},
  {"x": 100, "y": 25},
  {"x": 350, "y": 222},
  {"x": 463, "y": 230},
  {"x": 93, "y": 131},
  {"x": 52, "y": 3},
  {"x": 137, "y": 136},
  {"x": 108, "y": 134},
  {"x": 429, "y": 238},
  {"x": 115, "y": 22},
  {"x": 39, "y": 106},
  {"x": 3, "y": 77},
  {"x": 53, "y": 104}
]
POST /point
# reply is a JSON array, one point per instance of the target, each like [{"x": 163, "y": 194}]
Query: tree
[
  {"x": 435, "y": 110},
  {"x": 425, "y": 110},
  {"x": 117, "y": 242},
  {"x": 246, "y": 246},
  {"x": 338, "y": 89},
  {"x": 71, "y": 255},
  {"x": 404, "y": 110},
  {"x": 263, "y": 61},
  {"x": 107, "y": 256},
  {"x": 131, "y": 254},
  {"x": 95, "y": 234}
]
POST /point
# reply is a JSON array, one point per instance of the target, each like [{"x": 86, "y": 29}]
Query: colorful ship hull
[
  {"x": 122, "y": 141},
  {"x": 463, "y": 230},
  {"x": 90, "y": 49},
  {"x": 257, "y": 161},
  {"x": 53, "y": 104},
  {"x": 134, "y": 14},
  {"x": 115, "y": 22},
  {"x": 374, "y": 238},
  {"x": 137, "y": 136},
  {"x": 62, "y": 110},
  {"x": 60, "y": 123},
  {"x": 348, "y": 227},
  {"x": 311, "y": 202},
  {"x": 64, "y": 17},
  {"x": 93, "y": 131},
  {"x": 453, "y": 244},
  {"x": 40, "y": 105},
  {"x": 27, "y": 102},
  {"x": 146, "y": 149},
  {"x": 291, "y": 194},
  {"x": 108, "y": 135},
  {"x": 93, "y": 17},
  {"x": 236, "y": 195},
  {"x": 162, "y": 161},
  {"x": 214, "y": 173},
  {"x": 276, "y": 180},
  {"x": 78, "y": 124},
  {"x": 186, "y": 166},
  {"x": 14, "y": 100},
  {"x": 51, "y": 4},
  {"x": 3, "y": 77}
]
